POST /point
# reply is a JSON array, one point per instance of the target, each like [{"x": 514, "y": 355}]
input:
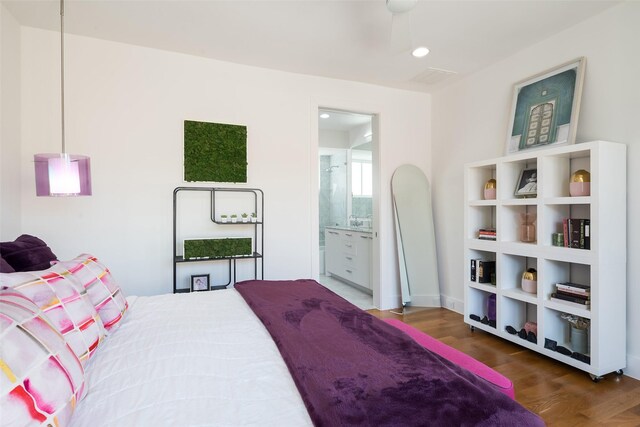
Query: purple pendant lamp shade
[{"x": 62, "y": 174}]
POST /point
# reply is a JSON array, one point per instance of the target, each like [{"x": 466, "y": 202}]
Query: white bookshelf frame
[{"x": 603, "y": 266}]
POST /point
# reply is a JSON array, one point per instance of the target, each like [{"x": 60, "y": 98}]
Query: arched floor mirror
[{"x": 415, "y": 237}]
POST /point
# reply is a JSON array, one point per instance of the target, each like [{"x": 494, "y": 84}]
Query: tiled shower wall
[{"x": 333, "y": 191}]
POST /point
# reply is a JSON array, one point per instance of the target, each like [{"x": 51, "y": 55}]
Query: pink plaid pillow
[
  {"x": 103, "y": 291},
  {"x": 66, "y": 305},
  {"x": 41, "y": 378}
]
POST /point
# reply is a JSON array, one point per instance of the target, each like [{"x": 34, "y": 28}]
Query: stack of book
[
  {"x": 577, "y": 233},
  {"x": 573, "y": 293},
  {"x": 487, "y": 234}
]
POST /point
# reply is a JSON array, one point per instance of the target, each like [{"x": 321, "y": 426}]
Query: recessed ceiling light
[
  {"x": 324, "y": 116},
  {"x": 420, "y": 52}
]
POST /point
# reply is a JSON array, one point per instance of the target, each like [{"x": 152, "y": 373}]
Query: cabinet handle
[
  {"x": 365, "y": 237},
  {"x": 348, "y": 257},
  {"x": 348, "y": 234},
  {"x": 333, "y": 232},
  {"x": 349, "y": 271},
  {"x": 348, "y": 245}
]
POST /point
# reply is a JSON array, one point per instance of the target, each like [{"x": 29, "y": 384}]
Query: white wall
[
  {"x": 470, "y": 122},
  {"x": 125, "y": 107},
  {"x": 9, "y": 125}
]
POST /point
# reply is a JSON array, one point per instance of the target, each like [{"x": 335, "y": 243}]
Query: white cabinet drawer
[{"x": 347, "y": 255}]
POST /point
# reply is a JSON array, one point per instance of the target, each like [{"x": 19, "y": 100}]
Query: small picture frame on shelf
[
  {"x": 199, "y": 282},
  {"x": 527, "y": 185}
]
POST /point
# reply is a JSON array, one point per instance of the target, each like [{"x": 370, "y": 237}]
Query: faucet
[{"x": 354, "y": 221}]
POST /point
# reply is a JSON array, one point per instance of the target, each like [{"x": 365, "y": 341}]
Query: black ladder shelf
[{"x": 258, "y": 231}]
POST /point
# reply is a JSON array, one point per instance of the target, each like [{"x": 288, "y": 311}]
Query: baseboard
[
  {"x": 425, "y": 301},
  {"x": 452, "y": 304},
  {"x": 633, "y": 366}
]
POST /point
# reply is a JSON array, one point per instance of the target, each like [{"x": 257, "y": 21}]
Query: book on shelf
[
  {"x": 577, "y": 300},
  {"x": 487, "y": 234},
  {"x": 482, "y": 270},
  {"x": 577, "y": 287},
  {"x": 580, "y": 294},
  {"x": 570, "y": 303},
  {"x": 577, "y": 233}
]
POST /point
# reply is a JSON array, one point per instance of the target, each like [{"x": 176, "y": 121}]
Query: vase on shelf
[
  {"x": 527, "y": 227},
  {"x": 580, "y": 184},
  {"x": 490, "y": 190},
  {"x": 530, "y": 281}
]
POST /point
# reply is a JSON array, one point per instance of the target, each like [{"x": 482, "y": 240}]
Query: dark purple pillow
[
  {"x": 27, "y": 253},
  {"x": 5, "y": 267}
]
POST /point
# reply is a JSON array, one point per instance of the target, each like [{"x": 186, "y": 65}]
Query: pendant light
[{"x": 62, "y": 174}]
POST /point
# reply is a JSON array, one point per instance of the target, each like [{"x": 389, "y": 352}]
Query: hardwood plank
[{"x": 560, "y": 394}]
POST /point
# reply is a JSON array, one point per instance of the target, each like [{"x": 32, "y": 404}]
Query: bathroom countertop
[{"x": 347, "y": 228}]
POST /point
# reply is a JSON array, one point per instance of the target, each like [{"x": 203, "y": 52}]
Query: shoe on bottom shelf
[
  {"x": 581, "y": 357},
  {"x": 550, "y": 344}
]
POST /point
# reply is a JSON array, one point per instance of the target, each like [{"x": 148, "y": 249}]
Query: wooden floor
[{"x": 560, "y": 394}]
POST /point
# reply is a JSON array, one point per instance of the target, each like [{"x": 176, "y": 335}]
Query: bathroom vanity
[{"x": 348, "y": 255}]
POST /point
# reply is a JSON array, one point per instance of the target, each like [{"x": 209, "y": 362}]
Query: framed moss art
[{"x": 215, "y": 152}]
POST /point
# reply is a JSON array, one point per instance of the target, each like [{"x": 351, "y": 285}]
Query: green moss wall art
[
  {"x": 217, "y": 248},
  {"x": 215, "y": 152}
]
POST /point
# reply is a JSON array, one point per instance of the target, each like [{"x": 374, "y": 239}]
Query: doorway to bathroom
[{"x": 346, "y": 176}]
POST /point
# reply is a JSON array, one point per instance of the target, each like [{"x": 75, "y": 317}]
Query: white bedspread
[{"x": 190, "y": 360}]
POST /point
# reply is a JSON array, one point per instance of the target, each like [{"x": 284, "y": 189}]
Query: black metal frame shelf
[{"x": 258, "y": 231}]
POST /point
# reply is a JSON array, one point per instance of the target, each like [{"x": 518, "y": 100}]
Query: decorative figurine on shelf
[
  {"x": 490, "y": 190},
  {"x": 528, "y": 227},
  {"x": 580, "y": 184},
  {"x": 530, "y": 281}
]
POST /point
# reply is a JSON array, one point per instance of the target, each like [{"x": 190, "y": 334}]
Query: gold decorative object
[
  {"x": 530, "y": 281},
  {"x": 581, "y": 176},
  {"x": 530, "y": 274},
  {"x": 580, "y": 184},
  {"x": 490, "y": 189}
]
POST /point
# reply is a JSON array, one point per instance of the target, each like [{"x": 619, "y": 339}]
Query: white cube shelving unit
[{"x": 603, "y": 267}]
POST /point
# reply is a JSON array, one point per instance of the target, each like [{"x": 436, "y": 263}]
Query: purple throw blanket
[{"x": 354, "y": 369}]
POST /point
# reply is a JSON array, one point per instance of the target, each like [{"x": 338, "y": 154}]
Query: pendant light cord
[{"x": 62, "y": 71}]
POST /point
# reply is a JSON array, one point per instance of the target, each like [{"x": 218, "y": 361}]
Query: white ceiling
[
  {"x": 332, "y": 38},
  {"x": 341, "y": 120}
]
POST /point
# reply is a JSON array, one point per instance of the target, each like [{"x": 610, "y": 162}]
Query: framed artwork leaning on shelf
[
  {"x": 545, "y": 107},
  {"x": 199, "y": 282},
  {"x": 527, "y": 184}
]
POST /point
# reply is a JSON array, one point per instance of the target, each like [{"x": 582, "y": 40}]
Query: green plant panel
[
  {"x": 215, "y": 152},
  {"x": 217, "y": 248}
]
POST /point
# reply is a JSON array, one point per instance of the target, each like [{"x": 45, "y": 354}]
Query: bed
[{"x": 285, "y": 353}]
